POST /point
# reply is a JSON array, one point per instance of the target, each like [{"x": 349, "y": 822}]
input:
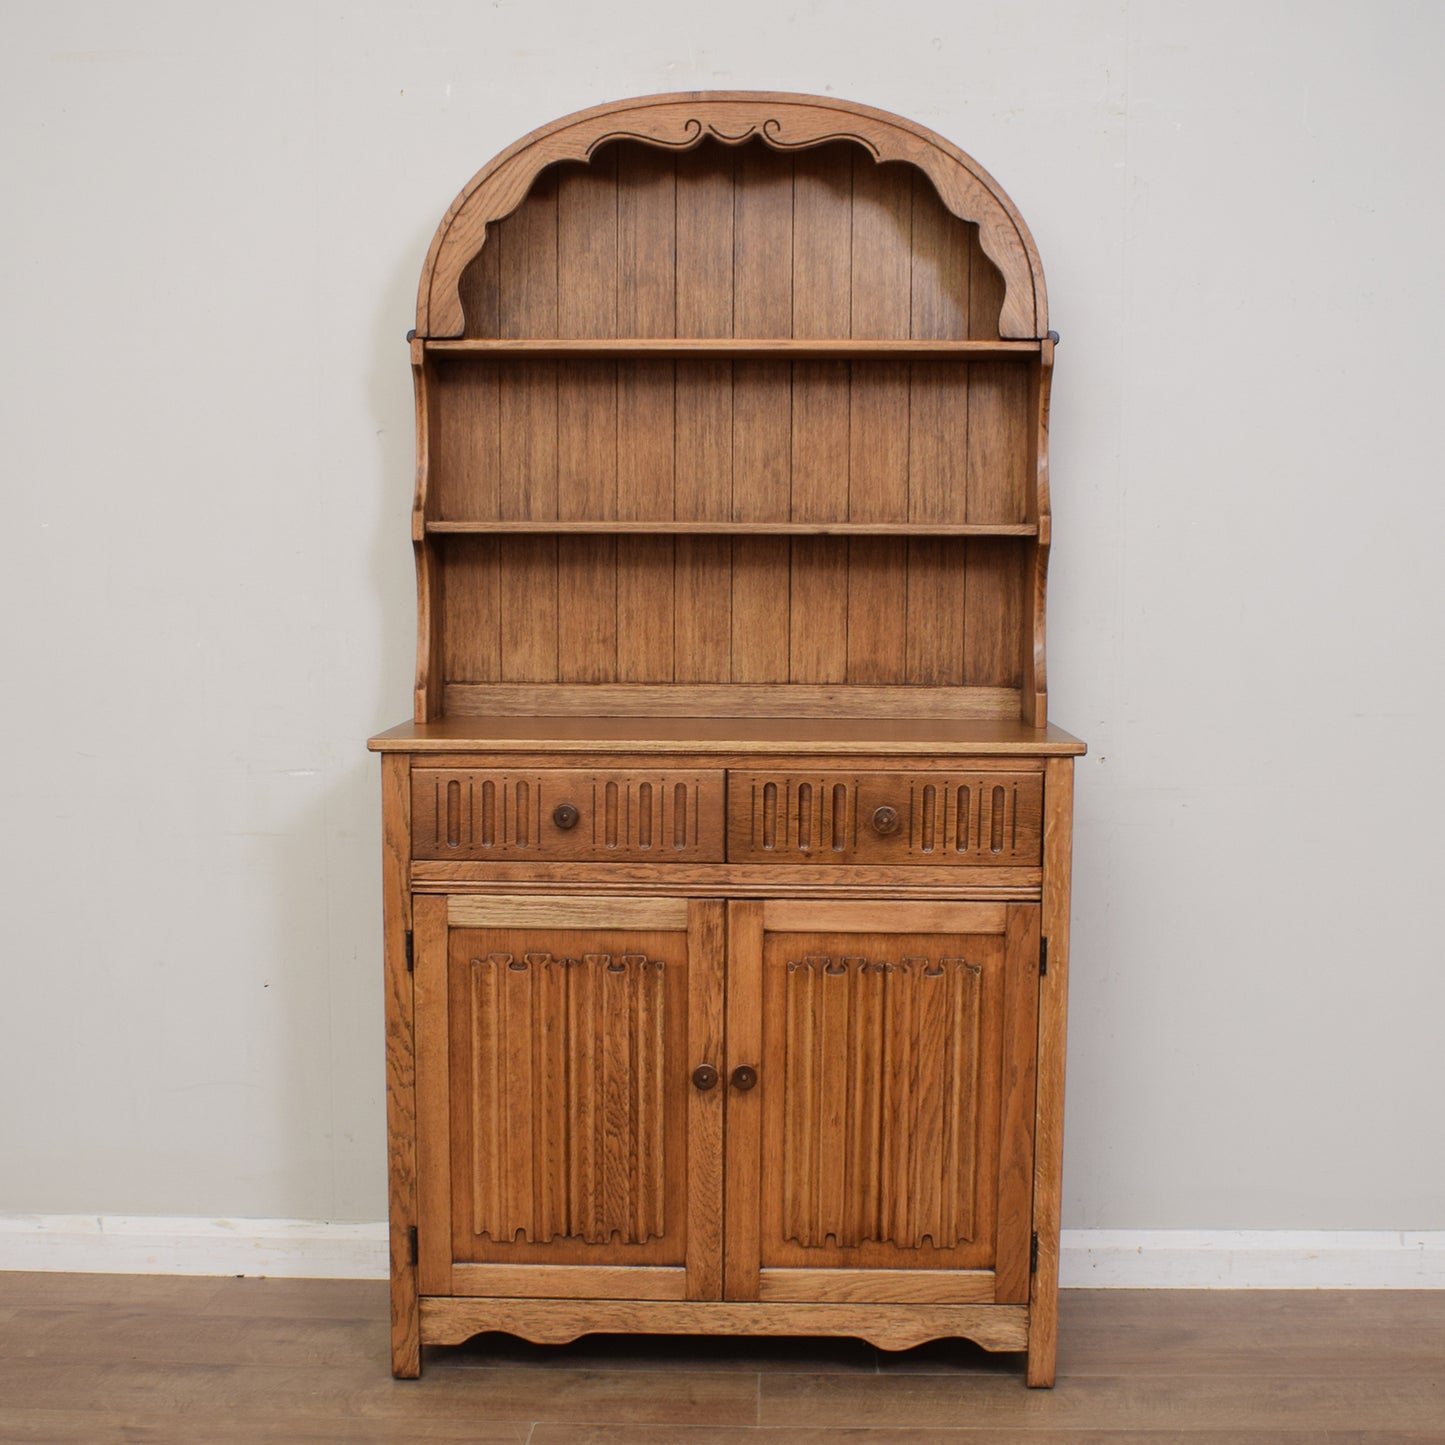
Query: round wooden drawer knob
[
  {"x": 704, "y": 1077},
  {"x": 564, "y": 815},
  {"x": 885, "y": 820},
  {"x": 744, "y": 1077}
]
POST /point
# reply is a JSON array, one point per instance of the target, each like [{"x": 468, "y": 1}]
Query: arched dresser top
[{"x": 783, "y": 122}]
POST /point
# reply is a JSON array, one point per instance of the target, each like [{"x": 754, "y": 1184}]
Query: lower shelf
[{"x": 451, "y": 1320}]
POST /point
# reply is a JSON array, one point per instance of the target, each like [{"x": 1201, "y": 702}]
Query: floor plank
[
  {"x": 258, "y": 1427},
  {"x": 801, "y": 1435},
  {"x": 515, "y": 1395},
  {"x": 149, "y": 1360},
  {"x": 545, "y": 1434},
  {"x": 1095, "y": 1402}
]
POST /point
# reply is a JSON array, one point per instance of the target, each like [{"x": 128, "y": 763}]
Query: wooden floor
[{"x": 102, "y": 1358}]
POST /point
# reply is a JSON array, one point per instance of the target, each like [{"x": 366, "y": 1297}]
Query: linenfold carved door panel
[
  {"x": 564, "y": 1143},
  {"x": 886, "y": 1152}
]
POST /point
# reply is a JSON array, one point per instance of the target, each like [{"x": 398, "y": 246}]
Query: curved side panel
[
  {"x": 1035, "y": 693},
  {"x": 784, "y": 122}
]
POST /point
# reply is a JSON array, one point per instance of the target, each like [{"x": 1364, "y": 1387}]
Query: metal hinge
[
  {"x": 1043, "y": 955},
  {"x": 411, "y": 1244},
  {"x": 410, "y": 953},
  {"x": 1033, "y": 1251}
]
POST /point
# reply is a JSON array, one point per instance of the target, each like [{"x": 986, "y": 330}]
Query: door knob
[
  {"x": 885, "y": 820},
  {"x": 704, "y": 1077},
  {"x": 564, "y": 815},
  {"x": 744, "y": 1077}
]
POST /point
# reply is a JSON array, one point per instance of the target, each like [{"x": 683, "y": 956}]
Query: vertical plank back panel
[
  {"x": 936, "y": 590},
  {"x": 762, "y": 441},
  {"x": 703, "y": 604},
  {"x": 881, "y": 307},
  {"x": 998, "y": 446},
  {"x": 878, "y": 422},
  {"x": 985, "y": 292},
  {"x": 938, "y": 441},
  {"x": 993, "y": 612},
  {"x": 471, "y": 603},
  {"x": 464, "y": 455},
  {"x": 527, "y": 441},
  {"x": 762, "y": 306},
  {"x": 704, "y": 301},
  {"x": 528, "y": 606},
  {"x": 646, "y": 242},
  {"x": 822, "y": 307},
  {"x": 882, "y": 261},
  {"x": 645, "y": 605},
  {"x": 526, "y": 243},
  {"x": 820, "y": 439},
  {"x": 822, "y": 242},
  {"x": 760, "y": 610},
  {"x": 818, "y": 644},
  {"x": 762, "y": 243},
  {"x": 586, "y": 609},
  {"x": 480, "y": 289},
  {"x": 940, "y": 267},
  {"x": 704, "y": 286},
  {"x": 587, "y": 309},
  {"x": 733, "y": 242},
  {"x": 587, "y": 248},
  {"x": 877, "y": 609},
  {"x": 646, "y": 441},
  {"x": 703, "y": 442},
  {"x": 646, "y": 307},
  {"x": 938, "y": 392}
]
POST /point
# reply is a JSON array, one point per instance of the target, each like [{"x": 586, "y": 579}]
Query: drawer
[
  {"x": 566, "y": 814},
  {"x": 992, "y": 818}
]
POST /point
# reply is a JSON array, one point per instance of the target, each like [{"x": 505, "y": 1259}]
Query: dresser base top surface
[{"x": 839, "y": 735}]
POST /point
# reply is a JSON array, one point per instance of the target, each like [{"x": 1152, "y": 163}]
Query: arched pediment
[{"x": 784, "y": 123}]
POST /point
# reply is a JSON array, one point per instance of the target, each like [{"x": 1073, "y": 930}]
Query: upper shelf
[
  {"x": 740, "y": 529},
  {"x": 736, "y": 348}
]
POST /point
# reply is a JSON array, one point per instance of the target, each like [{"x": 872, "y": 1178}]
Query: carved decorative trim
[
  {"x": 694, "y": 131},
  {"x": 483, "y": 815},
  {"x": 567, "y": 1097},
  {"x": 773, "y": 134},
  {"x": 880, "y": 1108},
  {"x": 966, "y": 818},
  {"x": 784, "y": 122}
]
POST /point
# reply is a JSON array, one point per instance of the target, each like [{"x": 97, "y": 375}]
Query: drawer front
[
  {"x": 962, "y": 819},
  {"x": 543, "y": 814}
]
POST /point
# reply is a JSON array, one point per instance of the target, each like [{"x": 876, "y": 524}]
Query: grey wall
[{"x": 214, "y": 219}]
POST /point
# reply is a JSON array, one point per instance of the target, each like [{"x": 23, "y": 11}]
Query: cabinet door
[
  {"x": 563, "y": 1148},
  {"x": 886, "y": 1150}
]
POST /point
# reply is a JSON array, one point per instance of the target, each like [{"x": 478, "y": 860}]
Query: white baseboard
[
  {"x": 1090, "y": 1258},
  {"x": 119, "y": 1244},
  {"x": 1252, "y": 1259}
]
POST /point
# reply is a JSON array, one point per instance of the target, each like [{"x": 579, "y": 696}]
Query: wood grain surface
[
  {"x": 770, "y": 132},
  {"x": 93, "y": 1359},
  {"x": 830, "y": 347},
  {"x": 502, "y": 730},
  {"x": 732, "y": 529}
]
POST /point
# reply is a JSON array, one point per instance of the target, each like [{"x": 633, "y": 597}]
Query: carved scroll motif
[
  {"x": 693, "y": 131},
  {"x": 566, "y": 1098}
]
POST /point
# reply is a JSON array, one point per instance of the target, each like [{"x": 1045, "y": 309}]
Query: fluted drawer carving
[
  {"x": 881, "y": 1095},
  {"x": 479, "y": 815},
  {"x": 990, "y": 818},
  {"x": 566, "y": 1100}
]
